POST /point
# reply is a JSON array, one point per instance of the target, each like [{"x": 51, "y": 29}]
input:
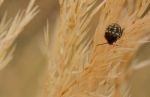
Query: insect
[{"x": 112, "y": 33}]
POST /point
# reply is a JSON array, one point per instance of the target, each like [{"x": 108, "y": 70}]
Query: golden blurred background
[{"x": 22, "y": 76}]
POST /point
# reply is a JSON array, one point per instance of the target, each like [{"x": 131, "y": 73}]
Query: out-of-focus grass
[
  {"x": 140, "y": 79},
  {"x": 21, "y": 77}
]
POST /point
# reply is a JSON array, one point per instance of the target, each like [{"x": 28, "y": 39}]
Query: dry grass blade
[
  {"x": 1, "y": 1},
  {"x": 137, "y": 66},
  {"x": 11, "y": 29}
]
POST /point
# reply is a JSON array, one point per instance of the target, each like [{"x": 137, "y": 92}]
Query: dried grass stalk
[
  {"x": 76, "y": 66},
  {"x": 10, "y": 29}
]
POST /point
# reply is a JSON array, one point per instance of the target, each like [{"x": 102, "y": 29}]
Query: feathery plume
[
  {"x": 10, "y": 29},
  {"x": 79, "y": 68}
]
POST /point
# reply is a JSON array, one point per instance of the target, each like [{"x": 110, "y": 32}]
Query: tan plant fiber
[
  {"x": 79, "y": 68},
  {"x": 11, "y": 28}
]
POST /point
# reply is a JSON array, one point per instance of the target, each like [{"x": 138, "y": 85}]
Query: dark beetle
[{"x": 113, "y": 33}]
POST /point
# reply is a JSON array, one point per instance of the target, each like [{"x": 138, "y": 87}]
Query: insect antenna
[
  {"x": 101, "y": 44},
  {"x": 107, "y": 43}
]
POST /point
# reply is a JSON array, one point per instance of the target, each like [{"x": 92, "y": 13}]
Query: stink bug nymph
[{"x": 112, "y": 33}]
